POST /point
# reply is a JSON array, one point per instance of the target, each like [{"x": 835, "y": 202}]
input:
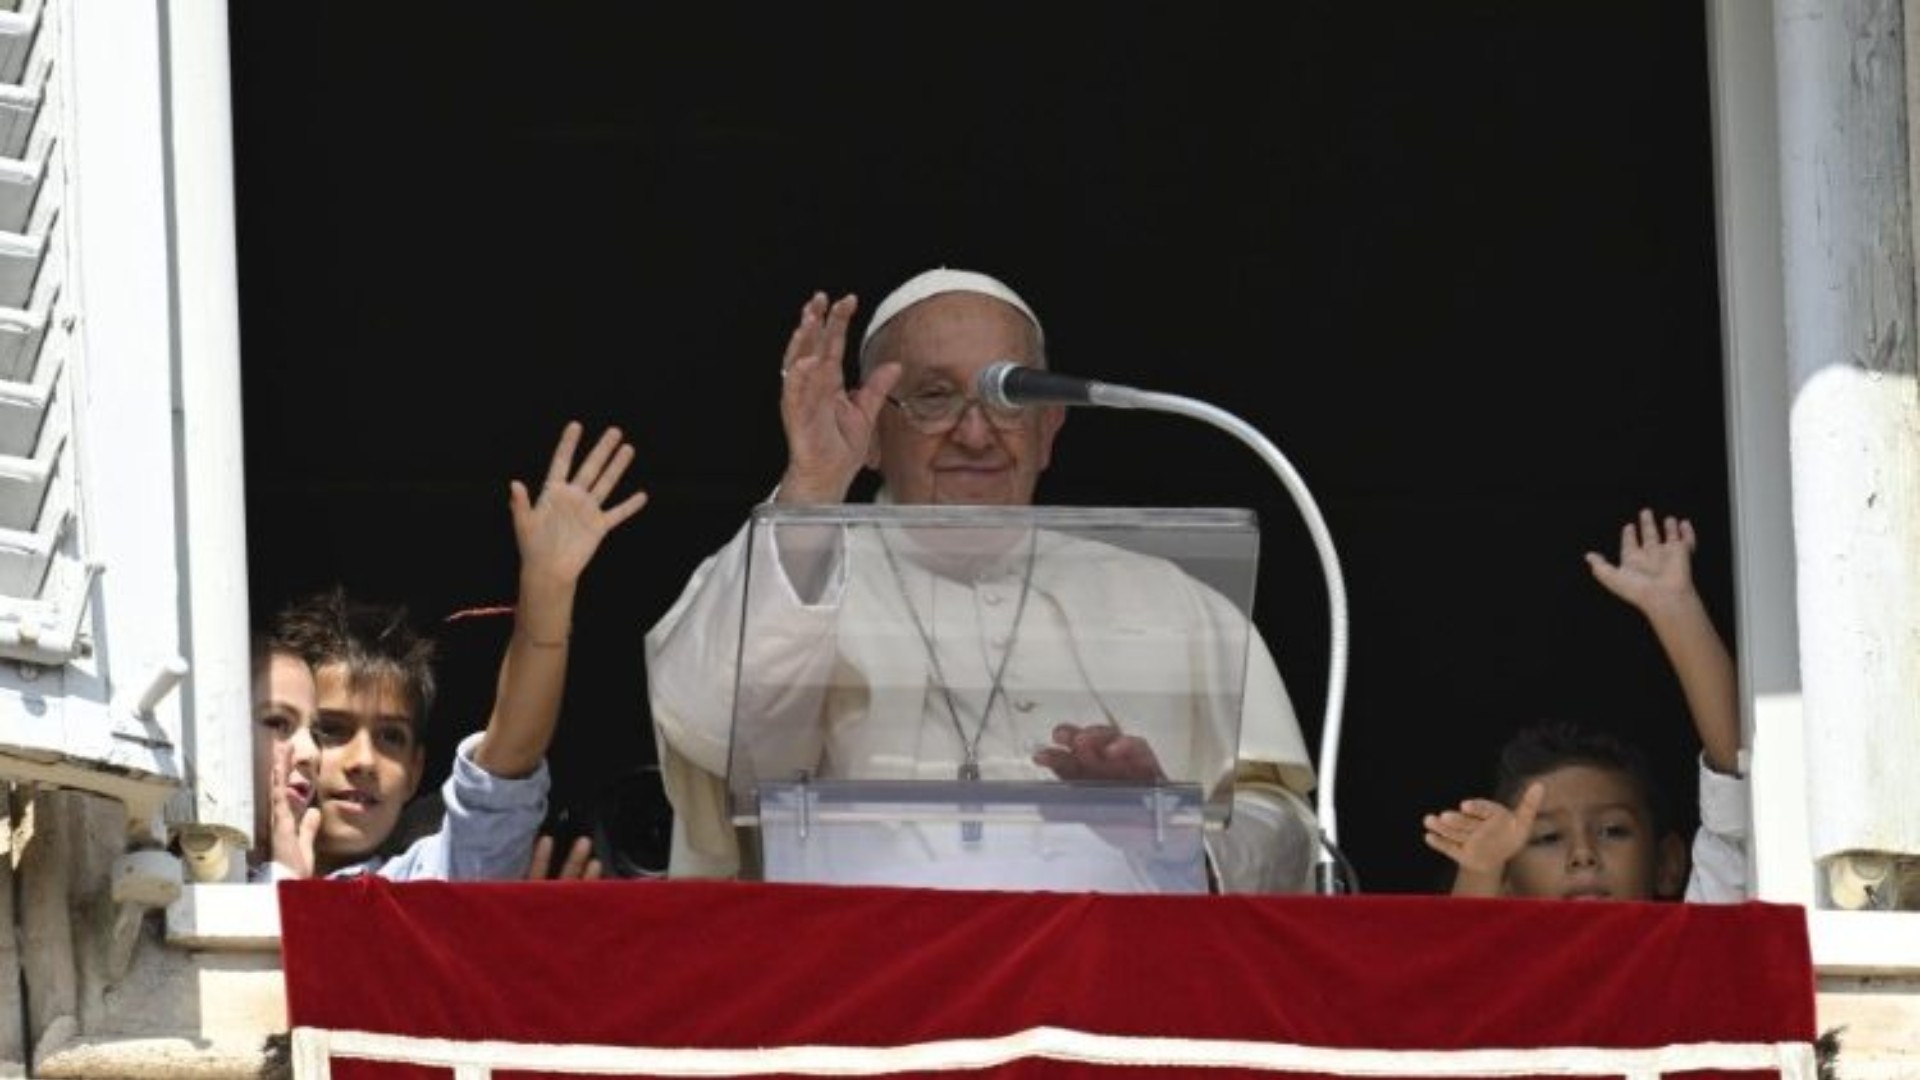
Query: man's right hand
[{"x": 829, "y": 429}]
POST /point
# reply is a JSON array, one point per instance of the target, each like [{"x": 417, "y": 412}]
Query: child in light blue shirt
[{"x": 374, "y": 688}]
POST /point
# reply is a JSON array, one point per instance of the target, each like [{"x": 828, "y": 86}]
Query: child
[
  {"x": 1575, "y": 814},
  {"x": 375, "y": 686},
  {"x": 283, "y": 763}
]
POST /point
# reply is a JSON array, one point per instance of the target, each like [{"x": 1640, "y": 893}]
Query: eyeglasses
[{"x": 936, "y": 411}]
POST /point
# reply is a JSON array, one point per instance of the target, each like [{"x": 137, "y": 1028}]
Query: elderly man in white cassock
[{"x": 1029, "y": 697}]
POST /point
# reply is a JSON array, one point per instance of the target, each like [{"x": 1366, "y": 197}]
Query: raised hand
[
  {"x": 1656, "y": 562},
  {"x": 829, "y": 428},
  {"x": 559, "y": 532},
  {"x": 580, "y": 865},
  {"x": 293, "y": 819},
  {"x": 1655, "y": 575},
  {"x": 1099, "y": 752},
  {"x": 558, "y": 535},
  {"x": 1482, "y": 835}
]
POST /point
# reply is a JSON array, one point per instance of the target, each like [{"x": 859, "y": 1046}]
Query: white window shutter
[
  {"x": 43, "y": 580},
  {"x": 70, "y": 691}
]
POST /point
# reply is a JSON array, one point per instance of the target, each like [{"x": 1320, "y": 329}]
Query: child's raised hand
[
  {"x": 1483, "y": 834},
  {"x": 1656, "y": 562},
  {"x": 559, "y": 532},
  {"x": 294, "y": 821}
]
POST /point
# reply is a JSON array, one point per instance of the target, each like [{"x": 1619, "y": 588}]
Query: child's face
[
  {"x": 283, "y": 707},
  {"x": 1593, "y": 840},
  {"x": 370, "y": 763}
]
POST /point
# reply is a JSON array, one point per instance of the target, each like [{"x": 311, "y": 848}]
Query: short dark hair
[
  {"x": 262, "y": 645},
  {"x": 373, "y": 640},
  {"x": 1534, "y": 751}
]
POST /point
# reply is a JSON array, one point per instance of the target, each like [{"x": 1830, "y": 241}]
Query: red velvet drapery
[{"x": 651, "y": 978}]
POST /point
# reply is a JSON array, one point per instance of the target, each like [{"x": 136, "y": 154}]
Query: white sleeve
[
  {"x": 692, "y": 661},
  {"x": 1719, "y": 873},
  {"x": 1269, "y": 845}
]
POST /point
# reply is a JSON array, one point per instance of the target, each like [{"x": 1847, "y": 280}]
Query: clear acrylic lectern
[{"x": 910, "y": 679}]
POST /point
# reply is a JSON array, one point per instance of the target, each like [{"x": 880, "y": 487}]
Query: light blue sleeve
[{"x": 488, "y": 831}]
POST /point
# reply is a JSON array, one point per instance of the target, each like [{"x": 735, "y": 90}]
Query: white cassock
[{"x": 884, "y": 675}]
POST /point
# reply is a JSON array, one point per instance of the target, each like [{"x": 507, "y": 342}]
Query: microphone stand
[{"x": 1330, "y": 875}]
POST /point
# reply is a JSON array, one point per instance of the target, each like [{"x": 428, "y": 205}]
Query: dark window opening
[{"x": 1457, "y": 263}]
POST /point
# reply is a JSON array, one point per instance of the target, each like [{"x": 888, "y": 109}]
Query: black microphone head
[
  {"x": 1010, "y": 385},
  {"x": 991, "y": 384}
]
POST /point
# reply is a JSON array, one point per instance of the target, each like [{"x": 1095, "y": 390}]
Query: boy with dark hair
[
  {"x": 1592, "y": 822},
  {"x": 374, "y": 684},
  {"x": 1535, "y": 751},
  {"x": 374, "y": 691},
  {"x": 1576, "y": 814}
]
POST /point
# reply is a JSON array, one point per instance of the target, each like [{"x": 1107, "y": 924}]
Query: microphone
[{"x": 1007, "y": 385}]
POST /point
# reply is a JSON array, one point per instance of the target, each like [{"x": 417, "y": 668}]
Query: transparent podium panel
[
  {"x": 991, "y": 696},
  {"x": 1013, "y": 835}
]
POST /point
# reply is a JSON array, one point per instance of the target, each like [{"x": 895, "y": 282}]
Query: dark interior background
[{"x": 1455, "y": 260}]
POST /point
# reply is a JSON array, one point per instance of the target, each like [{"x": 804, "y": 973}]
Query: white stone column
[{"x": 1854, "y": 425}]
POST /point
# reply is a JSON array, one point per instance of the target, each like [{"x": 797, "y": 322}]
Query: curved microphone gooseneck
[{"x": 1009, "y": 385}]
